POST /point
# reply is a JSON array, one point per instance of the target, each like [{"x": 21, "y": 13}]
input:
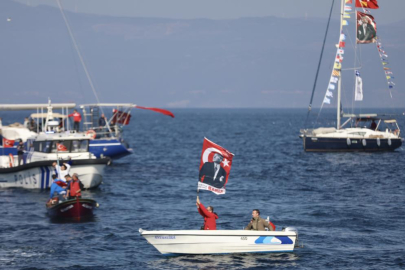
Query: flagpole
[{"x": 342, "y": 5}]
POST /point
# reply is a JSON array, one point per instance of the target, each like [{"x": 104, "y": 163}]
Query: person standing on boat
[
  {"x": 259, "y": 224},
  {"x": 77, "y": 118},
  {"x": 32, "y": 125},
  {"x": 63, "y": 170},
  {"x": 208, "y": 214},
  {"x": 76, "y": 186},
  {"x": 26, "y": 122},
  {"x": 20, "y": 153},
  {"x": 212, "y": 173}
]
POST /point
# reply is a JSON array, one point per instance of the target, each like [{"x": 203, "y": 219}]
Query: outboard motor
[{"x": 293, "y": 229}]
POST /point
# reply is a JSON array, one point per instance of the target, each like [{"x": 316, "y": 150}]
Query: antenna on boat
[
  {"x": 319, "y": 64},
  {"x": 78, "y": 53}
]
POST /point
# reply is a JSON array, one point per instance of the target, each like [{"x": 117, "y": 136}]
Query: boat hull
[
  {"x": 38, "y": 174},
  {"x": 330, "y": 144},
  {"x": 76, "y": 209},
  {"x": 113, "y": 148},
  {"x": 220, "y": 241}
]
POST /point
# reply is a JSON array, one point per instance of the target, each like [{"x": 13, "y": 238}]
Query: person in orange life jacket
[
  {"x": 76, "y": 119},
  {"x": 75, "y": 187},
  {"x": 208, "y": 214}
]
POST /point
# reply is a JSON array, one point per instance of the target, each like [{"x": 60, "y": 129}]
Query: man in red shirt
[
  {"x": 76, "y": 119},
  {"x": 208, "y": 214}
]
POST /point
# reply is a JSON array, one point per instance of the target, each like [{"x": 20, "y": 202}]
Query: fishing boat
[
  {"x": 185, "y": 242},
  {"x": 75, "y": 209},
  {"x": 363, "y": 132}
]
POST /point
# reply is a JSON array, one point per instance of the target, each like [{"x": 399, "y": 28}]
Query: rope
[{"x": 319, "y": 64}]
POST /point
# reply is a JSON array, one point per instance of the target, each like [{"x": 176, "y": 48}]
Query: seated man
[
  {"x": 373, "y": 125},
  {"x": 258, "y": 224}
]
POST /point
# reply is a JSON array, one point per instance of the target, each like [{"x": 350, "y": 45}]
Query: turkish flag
[
  {"x": 7, "y": 143},
  {"x": 215, "y": 166},
  {"x": 120, "y": 117},
  {"x": 367, "y": 4},
  {"x": 61, "y": 147},
  {"x": 366, "y": 28}
]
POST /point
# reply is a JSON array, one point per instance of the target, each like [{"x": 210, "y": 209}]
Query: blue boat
[{"x": 106, "y": 135}]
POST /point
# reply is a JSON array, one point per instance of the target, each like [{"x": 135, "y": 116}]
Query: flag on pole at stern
[{"x": 215, "y": 166}]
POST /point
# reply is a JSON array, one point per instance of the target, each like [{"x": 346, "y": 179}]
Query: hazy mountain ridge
[{"x": 247, "y": 62}]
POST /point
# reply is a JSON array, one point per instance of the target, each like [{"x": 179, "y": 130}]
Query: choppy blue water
[{"x": 348, "y": 207}]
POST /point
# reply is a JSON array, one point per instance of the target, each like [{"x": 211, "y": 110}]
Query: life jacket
[{"x": 74, "y": 187}]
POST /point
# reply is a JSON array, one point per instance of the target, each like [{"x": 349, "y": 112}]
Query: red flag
[
  {"x": 366, "y": 28},
  {"x": 165, "y": 112},
  {"x": 61, "y": 147},
  {"x": 367, "y": 4},
  {"x": 120, "y": 117},
  {"x": 342, "y": 44},
  {"x": 7, "y": 143},
  {"x": 215, "y": 166}
]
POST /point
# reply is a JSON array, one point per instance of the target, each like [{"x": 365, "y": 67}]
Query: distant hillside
[{"x": 248, "y": 62}]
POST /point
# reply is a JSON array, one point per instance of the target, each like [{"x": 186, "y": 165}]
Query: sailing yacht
[{"x": 360, "y": 132}]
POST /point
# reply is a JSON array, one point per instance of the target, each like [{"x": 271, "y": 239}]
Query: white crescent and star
[{"x": 208, "y": 151}]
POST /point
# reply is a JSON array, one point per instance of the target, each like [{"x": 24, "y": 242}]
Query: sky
[
  {"x": 216, "y": 9},
  {"x": 242, "y": 54}
]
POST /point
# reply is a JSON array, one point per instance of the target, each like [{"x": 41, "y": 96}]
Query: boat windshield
[{"x": 68, "y": 146}]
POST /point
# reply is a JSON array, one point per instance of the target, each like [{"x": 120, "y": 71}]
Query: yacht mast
[{"x": 342, "y": 6}]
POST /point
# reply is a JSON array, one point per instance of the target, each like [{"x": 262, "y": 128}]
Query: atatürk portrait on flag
[
  {"x": 215, "y": 166},
  {"x": 366, "y": 28}
]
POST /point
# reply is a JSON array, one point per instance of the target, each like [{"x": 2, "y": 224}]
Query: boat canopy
[
  {"x": 108, "y": 105},
  {"x": 45, "y": 115},
  {"x": 17, "y": 107}
]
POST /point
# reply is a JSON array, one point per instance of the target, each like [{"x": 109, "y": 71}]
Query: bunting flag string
[
  {"x": 387, "y": 70},
  {"x": 337, "y": 66}
]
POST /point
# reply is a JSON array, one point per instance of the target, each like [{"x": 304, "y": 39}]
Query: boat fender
[
  {"x": 378, "y": 142},
  {"x": 389, "y": 141},
  {"x": 11, "y": 159},
  {"x": 92, "y": 133},
  {"x": 349, "y": 142},
  {"x": 364, "y": 142}
]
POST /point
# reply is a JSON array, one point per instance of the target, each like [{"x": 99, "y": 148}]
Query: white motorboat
[{"x": 221, "y": 241}]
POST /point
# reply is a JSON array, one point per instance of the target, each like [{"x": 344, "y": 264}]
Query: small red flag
[
  {"x": 342, "y": 44},
  {"x": 120, "y": 117},
  {"x": 367, "y": 4},
  {"x": 7, "y": 143},
  {"x": 61, "y": 147},
  {"x": 215, "y": 167}
]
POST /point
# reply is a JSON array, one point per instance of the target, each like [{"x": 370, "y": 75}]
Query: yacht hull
[
  {"x": 220, "y": 241},
  {"x": 331, "y": 144}
]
